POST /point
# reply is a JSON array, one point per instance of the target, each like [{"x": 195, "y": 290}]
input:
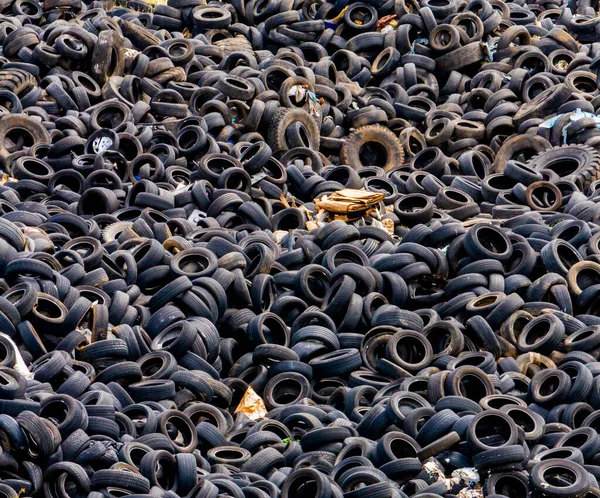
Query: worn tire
[
  {"x": 382, "y": 137},
  {"x": 578, "y": 163}
]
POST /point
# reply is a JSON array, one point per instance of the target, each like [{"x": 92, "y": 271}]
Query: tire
[
  {"x": 283, "y": 119},
  {"x": 374, "y": 134},
  {"x": 126, "y": 480},
  {"x": 543, "y": 104},
  {"x": 499, "y": 457},
  {"x": 581, "y": 163},
  {"x": 578, "y": 486},
  {"x": 26, "y": 125},
  {"x": 492, "y": 243}
]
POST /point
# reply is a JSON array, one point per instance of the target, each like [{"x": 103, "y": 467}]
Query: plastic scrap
[
  {"x": 470, "y": 493},
  {"x": 468, "y": 475},
  {"x": 302, "y": 94},
  {"x": 575, "y": 116},
  {"x": 422, "y": 41},
  {"x": 252, "y": 405},
  {"x": 549, "y": 123},
  {"x": 434, "y": 470},
  {"x": 387, "y": 225},
  {"x": 490, "y": 48},
  {"x": 463, "y": 482},
  {"x": 6, "y": 178},
  {"x": 387, "y": 23},
  {"x": 20, "y": 365},
  {"x": 340, "y": 15}
]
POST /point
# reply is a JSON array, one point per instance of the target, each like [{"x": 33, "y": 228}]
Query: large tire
[
  {"x": 283, "y": 119},
  {"x": 355, "y": 154},
  {"x": 578, "y": 163},
  {"x": 17, "y": 81},
  {"x": 18, "y": 131}
]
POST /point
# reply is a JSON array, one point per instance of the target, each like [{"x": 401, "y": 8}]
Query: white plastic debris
[
  {"x": 19, "y": 363},
  {"x": 468, "y": 475}
]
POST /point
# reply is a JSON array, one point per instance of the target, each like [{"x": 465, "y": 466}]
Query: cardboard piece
[{"x": 349, "y": 201}]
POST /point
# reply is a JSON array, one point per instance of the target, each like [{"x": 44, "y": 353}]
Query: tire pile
[{"x": 161, "y": 251}]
